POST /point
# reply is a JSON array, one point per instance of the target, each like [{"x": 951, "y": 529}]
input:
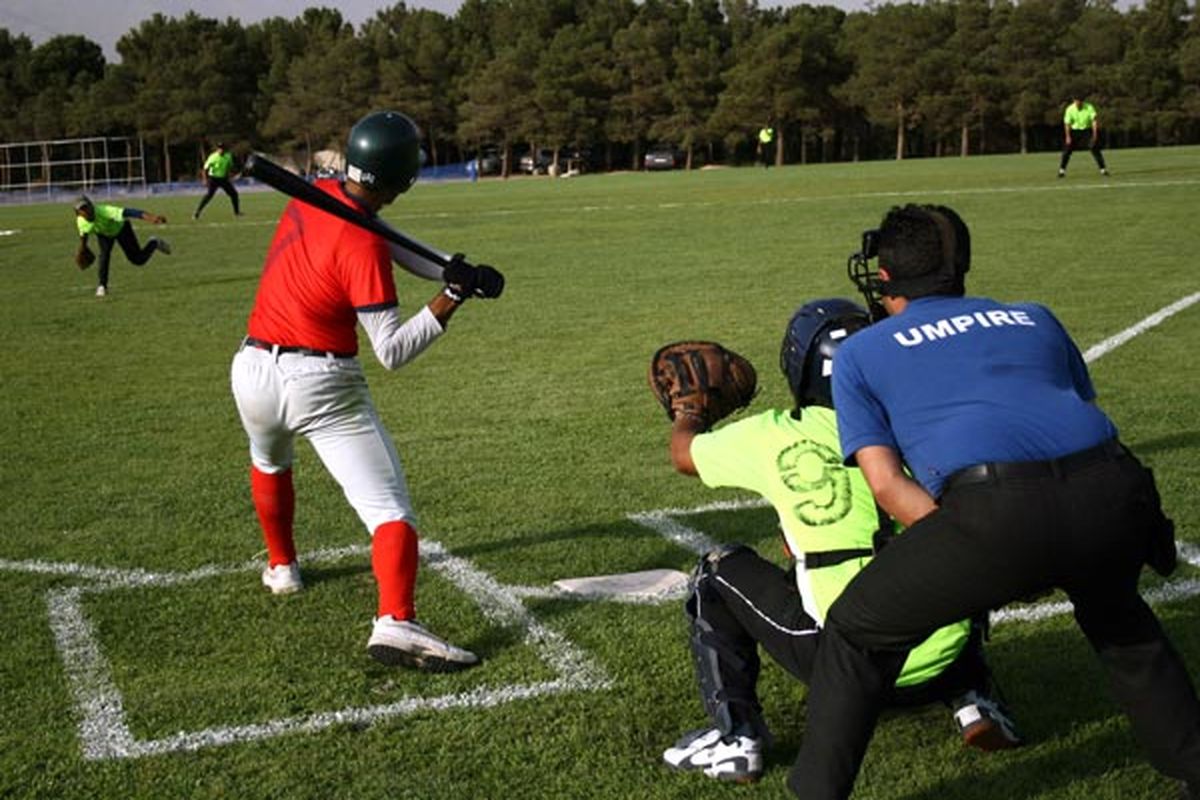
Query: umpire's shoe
[
  {"x": 985, "y": 724},
  {"x": 406, "y": 643},
  {"x": 725, "y": 758}
]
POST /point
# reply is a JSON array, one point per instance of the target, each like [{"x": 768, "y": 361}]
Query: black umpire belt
[
  {"x": 1026, "y": 470},
  {"x": 250, "y": 341}
]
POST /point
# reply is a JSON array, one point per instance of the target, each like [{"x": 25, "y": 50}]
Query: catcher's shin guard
[{"x": 725, "y": 657}]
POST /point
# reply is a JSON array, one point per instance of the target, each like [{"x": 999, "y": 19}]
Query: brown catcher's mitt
[
  {"x": 84, "y": 257},
  {"x": 702, "y": 380}
]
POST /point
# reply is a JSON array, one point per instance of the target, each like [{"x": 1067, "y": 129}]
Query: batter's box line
[{"x": 104, "y": 732}]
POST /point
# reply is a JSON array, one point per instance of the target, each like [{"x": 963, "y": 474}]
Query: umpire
[
  {"x": 216, "y": 170},
  {"x": 1081, "y": 127},
  {"x": 1019, "y": 485}
]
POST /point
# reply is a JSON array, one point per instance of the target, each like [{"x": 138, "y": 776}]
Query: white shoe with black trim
[
  {"x": 163, "y": 246},
  {"x": 724, "y": 758},
  {"x": 101, "y": 291},
  {"x": 406, "y": 643},
  {"x": 282, "y": 578},
  {"x": 985, "y": 724}
]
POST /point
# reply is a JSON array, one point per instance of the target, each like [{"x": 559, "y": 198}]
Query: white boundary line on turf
[
  {"x": 828, "y": 198},
  {"x": 664, "y": 522},
  {"x": 104, "y": 732},
  {"x": 1113, "y": 342}
]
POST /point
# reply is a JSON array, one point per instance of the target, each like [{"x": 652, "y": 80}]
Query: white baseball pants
[{"x": 326, "y": 400}]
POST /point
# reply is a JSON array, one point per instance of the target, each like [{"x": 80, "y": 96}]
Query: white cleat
[
  {"x": 164, "y": 246},
  {"x": 283, "y": 578},
  {"x": 406, "y": 643},
  {"x": 724, "y": 758},
  {"x": 101, "y": 291}
]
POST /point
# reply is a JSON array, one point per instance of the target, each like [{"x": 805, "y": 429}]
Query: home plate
[{"x": 650, "y": 584}]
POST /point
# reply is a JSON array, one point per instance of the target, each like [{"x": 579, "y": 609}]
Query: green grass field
[{"x": 142, "y": 659}]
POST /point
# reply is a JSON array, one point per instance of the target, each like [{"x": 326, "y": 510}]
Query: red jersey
[{"x": 319, "y": 272}]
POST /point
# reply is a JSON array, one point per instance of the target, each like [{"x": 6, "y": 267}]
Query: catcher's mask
[
  {"x": 384, "y": 153},
  {"x": 926, "y": 250},
  {"x": 813, "y": 335}
]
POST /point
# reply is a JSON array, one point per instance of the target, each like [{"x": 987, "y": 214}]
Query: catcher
[
  {"x": 831, "y": 527},
  {"x": 111, "y": 225}
]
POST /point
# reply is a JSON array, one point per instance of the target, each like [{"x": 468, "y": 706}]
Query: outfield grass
[{"x": 529, "y": 436}]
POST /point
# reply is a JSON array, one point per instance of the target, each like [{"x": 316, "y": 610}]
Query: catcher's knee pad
[{"x": 700, "y": 585}]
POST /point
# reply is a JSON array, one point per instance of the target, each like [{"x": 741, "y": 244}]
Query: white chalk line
[
  {"x": 104, "y": 732},
  {"x": 1113, "y": 342},
  {"x": 826, "y": 198}
]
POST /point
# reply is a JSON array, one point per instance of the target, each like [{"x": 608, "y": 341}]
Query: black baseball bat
[{"x": 275, "y": 176}]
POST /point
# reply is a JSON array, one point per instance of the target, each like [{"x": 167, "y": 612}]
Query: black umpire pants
[
  {"x": 225, "y": 185},
  {"x": 128, "y": 240},
  {"x": 1078, "y": 140},
  {"x": 1085, "y": 529}
]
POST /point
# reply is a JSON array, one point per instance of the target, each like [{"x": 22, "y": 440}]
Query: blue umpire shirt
[{"x": 957, "y": 381}]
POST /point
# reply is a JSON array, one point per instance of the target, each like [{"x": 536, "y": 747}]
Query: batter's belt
[{"x": 250, "y": 341}]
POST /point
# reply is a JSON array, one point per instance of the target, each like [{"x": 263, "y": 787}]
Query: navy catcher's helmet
[
  {"x": 384, "y": 152},
  {"x": 813, "y": 335}
]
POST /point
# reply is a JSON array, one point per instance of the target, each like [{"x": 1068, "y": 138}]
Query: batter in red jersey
[{"x": 297, "y": 373}]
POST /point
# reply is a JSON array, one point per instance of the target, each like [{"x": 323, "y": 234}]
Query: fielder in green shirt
[
  {"x": 216, "y": 170},
  {"x": 831, "y": 527},
  {"x": 1081, "y": 128},
  {"x": 110, "y": 225},
  {"x": 766, "y": 137}
]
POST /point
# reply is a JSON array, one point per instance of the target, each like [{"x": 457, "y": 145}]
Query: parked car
[
  {"x": 536, "y": 163},
  {"x": 662, "y": 156},
  {"x": 489, "y": 161}
]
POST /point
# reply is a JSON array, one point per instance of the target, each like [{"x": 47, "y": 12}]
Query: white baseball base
[{"x": 650, "y": 584}]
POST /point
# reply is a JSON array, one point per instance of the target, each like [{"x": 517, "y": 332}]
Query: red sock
[
  {"x": 275, "y": 502},
  {"x": 394, "y": 561}
]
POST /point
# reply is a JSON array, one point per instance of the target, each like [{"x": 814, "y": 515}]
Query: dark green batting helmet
[{"x": 384, "y": 152}]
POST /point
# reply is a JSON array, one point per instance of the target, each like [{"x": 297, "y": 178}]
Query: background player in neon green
[
  {"x": 111, "y": 224},
  {"x": 1081, "y": 128},
  {"x": 216, "y": 170},
  {"x": 766, "y": 138},
  {"x": 831, "y": 528}
]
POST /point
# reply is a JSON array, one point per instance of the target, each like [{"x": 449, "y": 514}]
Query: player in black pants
[{"x": 216, "y": 170}]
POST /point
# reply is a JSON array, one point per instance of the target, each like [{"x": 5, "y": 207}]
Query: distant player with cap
[
  {"x": 1081, "y": 128},
  {"x": 110, "y": 224},
  {"x": 216, "y": 170},
  {"x": 298, "y": 373}
]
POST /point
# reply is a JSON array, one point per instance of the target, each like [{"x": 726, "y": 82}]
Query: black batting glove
[
  {"x": 460, "y": 277},
  {"x": 489, "y": 282}
]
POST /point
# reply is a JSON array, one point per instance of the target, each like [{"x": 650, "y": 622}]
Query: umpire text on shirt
[{"x": 991, "y": 407}]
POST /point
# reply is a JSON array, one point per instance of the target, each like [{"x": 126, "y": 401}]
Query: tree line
[{"x": 603, "y": 79}]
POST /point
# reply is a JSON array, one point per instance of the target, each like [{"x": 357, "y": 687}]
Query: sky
[{"x": 105, "y": 21}]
